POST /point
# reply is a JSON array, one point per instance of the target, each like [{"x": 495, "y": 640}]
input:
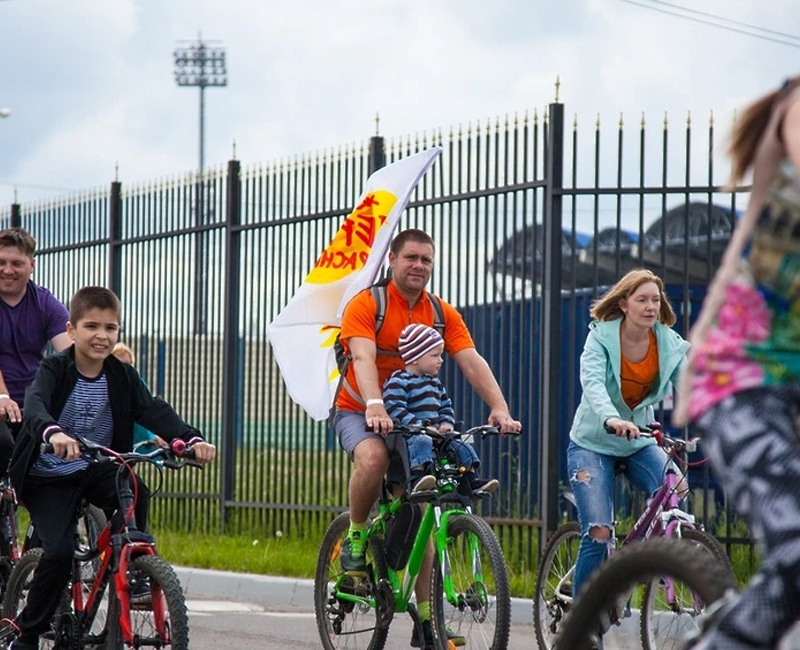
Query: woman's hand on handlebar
[
  {"x": 622, "y": 428},
  {"x": 204, "y": 452},
  {"x": 64, "y": 446}
]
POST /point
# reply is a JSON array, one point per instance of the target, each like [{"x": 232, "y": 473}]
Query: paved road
[
  {"x": 247, "y": 626},
  {"x": 234, "y": 611}
]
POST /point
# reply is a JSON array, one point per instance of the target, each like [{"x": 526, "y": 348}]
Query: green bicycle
[{"x": 469, "y": 580}]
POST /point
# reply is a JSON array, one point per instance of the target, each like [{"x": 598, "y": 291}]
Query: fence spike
[
  {"x": 597, "y": 123},
  {"x": 642, "y": 122},
  {"x": 558, "y": 86},
  {"x": 377, "y": 123},
  {"x": 666, "y": 121},
  {"x": 621, "y": 121},
  {"x": 575, "y": 123},
  {"x": 688, "y": 119}
]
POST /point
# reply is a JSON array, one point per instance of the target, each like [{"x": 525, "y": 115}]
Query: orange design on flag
[{"x": 350, "y": 248}]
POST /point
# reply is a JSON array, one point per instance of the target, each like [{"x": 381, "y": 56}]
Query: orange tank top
[{"x": 638, "y": 378}]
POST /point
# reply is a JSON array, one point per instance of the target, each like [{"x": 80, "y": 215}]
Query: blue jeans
[
  {"x": 594, "y": 495},
  {"x": 420, "y": 452}
]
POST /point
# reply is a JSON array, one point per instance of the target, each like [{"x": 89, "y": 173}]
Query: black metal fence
[{"x": 530, "y": 223}]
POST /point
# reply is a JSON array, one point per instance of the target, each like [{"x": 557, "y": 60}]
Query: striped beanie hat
[{"x": 416, "y": 340}]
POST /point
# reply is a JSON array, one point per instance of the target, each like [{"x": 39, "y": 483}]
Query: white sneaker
[{"x": 426, "y": 483}]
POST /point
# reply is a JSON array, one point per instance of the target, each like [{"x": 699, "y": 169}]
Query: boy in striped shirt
[{"x": 415, "y": 396}]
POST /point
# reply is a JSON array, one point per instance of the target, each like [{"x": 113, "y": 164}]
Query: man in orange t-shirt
[{"x": 361, "y": 422}]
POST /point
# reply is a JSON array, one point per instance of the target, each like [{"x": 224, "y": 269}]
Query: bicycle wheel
[
  {"x": 618, "y": 577},
  {"x": 343, "y": 623},
  {"x": 16, "y": 595},
  {"x": 161, "y": 623},
  {"x": 552, "y": 595},
  {"x": 670, "y": 610},
  {"x": 94, "y": 630},
  {"x": 482, "y": 614}
]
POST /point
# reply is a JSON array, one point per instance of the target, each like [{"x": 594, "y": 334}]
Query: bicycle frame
[{"x": 433, "y": 526}]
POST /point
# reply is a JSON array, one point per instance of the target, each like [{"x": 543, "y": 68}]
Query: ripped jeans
[{"x": 594, "y": 496}]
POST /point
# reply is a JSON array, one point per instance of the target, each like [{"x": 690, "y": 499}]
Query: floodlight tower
[{"x": 203, "y": 67}]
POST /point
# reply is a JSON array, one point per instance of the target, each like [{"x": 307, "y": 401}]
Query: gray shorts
[{"x": 351, "y": 429}]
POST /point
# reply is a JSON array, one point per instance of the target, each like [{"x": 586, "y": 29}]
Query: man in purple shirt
[{"x": 30, "y": 316}]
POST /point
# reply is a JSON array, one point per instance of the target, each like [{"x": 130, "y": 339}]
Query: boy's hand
[
  {"x": 445, "y": 428},
  {"x": 64, "y": 446},
  {"x": 204, "y": 452}
]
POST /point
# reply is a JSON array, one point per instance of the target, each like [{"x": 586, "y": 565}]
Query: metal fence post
[
  {"x": 377, "y": 153},
  {"x": 231, "y": 359},
  {"x": 115, "y": 238},
  {"x": 550, "y": 375},
  {"x": 16, "y": 216}
]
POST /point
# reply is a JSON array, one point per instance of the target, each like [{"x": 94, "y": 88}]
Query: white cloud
[{"x": 91, "y": 82}]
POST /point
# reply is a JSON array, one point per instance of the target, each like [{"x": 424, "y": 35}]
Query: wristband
[
  {"x": 5, "y": 396},
  {"x": 374, "y": 401}
]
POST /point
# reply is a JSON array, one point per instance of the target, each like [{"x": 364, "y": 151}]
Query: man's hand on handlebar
[
  {"x": 9, "y": 409},
  {"x": 64, "y": 446},
  {"x": 622, "y": 428},
  {"x": 502, "y": 420},
  {"x": 378, "y": 419}
]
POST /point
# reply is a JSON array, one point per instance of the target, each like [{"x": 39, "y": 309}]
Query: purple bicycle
[{"x": 668, "y": 610}]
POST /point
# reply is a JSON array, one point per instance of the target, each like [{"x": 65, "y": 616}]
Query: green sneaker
[{"x": 353, "y": 558}]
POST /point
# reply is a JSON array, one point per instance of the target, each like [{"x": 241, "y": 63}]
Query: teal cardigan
[{"x": 602, "y": 387}]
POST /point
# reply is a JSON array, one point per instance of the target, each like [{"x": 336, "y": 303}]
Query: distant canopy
[{"x": 685, "y": 243}]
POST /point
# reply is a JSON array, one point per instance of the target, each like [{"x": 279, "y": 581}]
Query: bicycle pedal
[{"x": 423, "y": 496}]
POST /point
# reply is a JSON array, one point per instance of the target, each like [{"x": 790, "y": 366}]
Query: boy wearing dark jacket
[{"x": 84, "y": 391}]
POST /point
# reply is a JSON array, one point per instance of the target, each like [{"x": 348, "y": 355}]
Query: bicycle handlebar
[
  {"x": 177, "y": 454},
  {"x": 655, "y": 431},
  {"x": 484, "y": 431}
]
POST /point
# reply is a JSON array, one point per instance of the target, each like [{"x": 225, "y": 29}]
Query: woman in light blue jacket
[{"x": 630, "y": 359}]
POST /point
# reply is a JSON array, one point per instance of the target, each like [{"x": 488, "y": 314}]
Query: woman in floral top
[{"x": 742, "y": 389}]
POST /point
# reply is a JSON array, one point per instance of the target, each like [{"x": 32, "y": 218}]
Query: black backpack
[{"x": 379, "y": 295}]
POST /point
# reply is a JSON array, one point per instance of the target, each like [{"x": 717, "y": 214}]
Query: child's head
[
  {"x": 123, "y": 353},
  {"x": 89, "y": 298},
  {"x": 421, "y": 348},
  {"x": 94, "y": 315}
]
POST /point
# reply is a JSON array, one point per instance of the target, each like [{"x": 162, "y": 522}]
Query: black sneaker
[
  {"x": 483, "y": 485},
  {"x": 353, "y": 557},
  {"x": 427, "y": 632},
  {"x": 20, "y": 643},
  {"x": 140, "y": 596}
]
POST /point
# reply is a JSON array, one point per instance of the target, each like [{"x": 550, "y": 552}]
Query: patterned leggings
[{"x": 752, "y": 441}]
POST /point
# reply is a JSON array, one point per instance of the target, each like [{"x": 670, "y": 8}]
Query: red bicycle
[{"x": 121, "y": 593}]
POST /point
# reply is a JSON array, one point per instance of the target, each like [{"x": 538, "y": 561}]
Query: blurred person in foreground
[{"x": 741, "y": 390}]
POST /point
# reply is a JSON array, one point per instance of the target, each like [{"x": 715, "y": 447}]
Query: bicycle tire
[
  {"x": 483, "y": 614},
  {"x": 16, "y": 597},
  {"x": 166, "y": 593},
  {"x": 627, "y": 569},
  {"x": 552, "y": 594},
  {"x": 661, "y": 627},
  {"x": 342, "y": 624},
  {"x": 17, "y": 592}
]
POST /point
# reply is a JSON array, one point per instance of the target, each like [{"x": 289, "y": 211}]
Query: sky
[{"x": 90, "y": 83}]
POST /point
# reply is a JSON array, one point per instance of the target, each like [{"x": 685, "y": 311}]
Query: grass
[{"x": 244, "y": 554}]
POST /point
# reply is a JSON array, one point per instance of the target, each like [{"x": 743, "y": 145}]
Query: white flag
[{"x": 302, "y": 335}]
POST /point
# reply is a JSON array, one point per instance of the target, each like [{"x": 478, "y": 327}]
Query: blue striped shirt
[
  {"x": 86, "y": 413},
  {"x": 410, "y": 399}
]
